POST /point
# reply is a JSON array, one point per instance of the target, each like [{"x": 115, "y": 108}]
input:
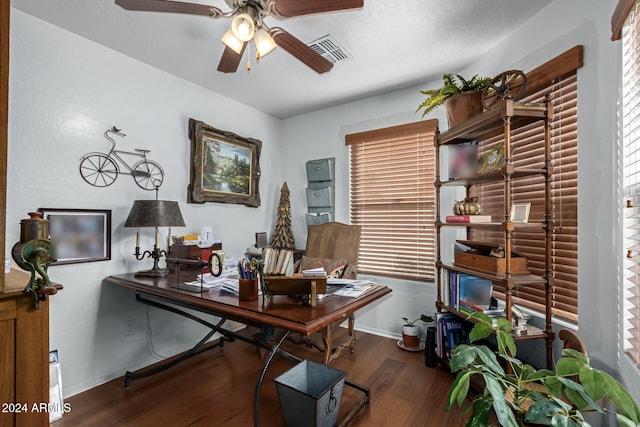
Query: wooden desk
[{"x": 283, "y": 312}]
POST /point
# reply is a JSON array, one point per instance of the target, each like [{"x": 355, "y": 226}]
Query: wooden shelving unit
[{"x": 507, "y": 116}]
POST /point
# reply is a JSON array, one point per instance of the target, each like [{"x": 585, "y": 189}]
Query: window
[
  {"x": 393, "y": 199},
  {"x": 562, "y": 90},
  {"x": 631, "y": 153}
]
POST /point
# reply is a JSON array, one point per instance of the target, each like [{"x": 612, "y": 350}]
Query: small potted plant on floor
[
  {"x": 411, "y": 331},
  {"x": 521, "y": 395},
  {"x": 462, "y": 98}
]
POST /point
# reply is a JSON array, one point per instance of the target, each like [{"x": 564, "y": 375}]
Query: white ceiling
[{"x": 394, "y": 43}]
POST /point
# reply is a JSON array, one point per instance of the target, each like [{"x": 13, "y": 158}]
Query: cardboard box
[{"x": 480, "y": 259}]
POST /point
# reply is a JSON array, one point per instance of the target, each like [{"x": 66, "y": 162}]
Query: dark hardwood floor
[{"x": 216, "y": 389}]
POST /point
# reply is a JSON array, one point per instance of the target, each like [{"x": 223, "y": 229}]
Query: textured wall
[{"x": 65, "y": 91}]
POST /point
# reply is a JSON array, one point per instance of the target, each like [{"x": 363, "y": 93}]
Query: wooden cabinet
[
  {"x": 24, "y": 355},
  {"x": 501, "y": 120}
]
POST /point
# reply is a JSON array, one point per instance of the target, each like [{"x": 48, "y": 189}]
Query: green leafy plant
[
  {"x": 452, "y": 85},
  {"x": 521, "y": 395},
  {"x": 423, "y": 317}
]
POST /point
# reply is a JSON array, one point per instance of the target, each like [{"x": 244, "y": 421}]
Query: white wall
[
  {"x": 556, "y": 29},
  {"x": 65, "y": 91}
]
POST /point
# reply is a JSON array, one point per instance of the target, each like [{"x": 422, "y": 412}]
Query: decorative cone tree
[{"x": 283, "y": 234}]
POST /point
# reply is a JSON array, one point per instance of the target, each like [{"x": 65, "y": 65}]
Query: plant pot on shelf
[
  {"x": 462, "y": 107},
  {"x": 411, "y": 336}
]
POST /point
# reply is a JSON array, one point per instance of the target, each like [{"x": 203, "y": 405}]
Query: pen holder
[{"x": 248, "y": 289}]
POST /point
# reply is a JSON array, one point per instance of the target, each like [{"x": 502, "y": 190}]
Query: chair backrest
[
  {"x": 571, "y": 340},
  {"x": 334, "y": 240}
]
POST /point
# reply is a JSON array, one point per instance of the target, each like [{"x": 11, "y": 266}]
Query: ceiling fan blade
[
  {"x": 300, "y": 50},
  {"x": 230, "y": 59},
  {"x": 291, "y": 8},
  {"x": 169, "y": 6}
]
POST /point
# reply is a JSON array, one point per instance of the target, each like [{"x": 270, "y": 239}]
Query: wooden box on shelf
[{"x": 481, "y": 261}]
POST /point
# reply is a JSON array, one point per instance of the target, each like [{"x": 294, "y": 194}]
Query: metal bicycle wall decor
[{"x": 102, "y": 169}]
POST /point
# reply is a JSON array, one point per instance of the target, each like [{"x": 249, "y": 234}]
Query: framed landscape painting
[{"x": 225, "y": 167}]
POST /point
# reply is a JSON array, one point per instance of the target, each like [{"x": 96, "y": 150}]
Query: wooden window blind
[
  {"x": 393, "y": 199},
  {"x": 528, "y": 152},
  {"x": 631, "y": 152}
]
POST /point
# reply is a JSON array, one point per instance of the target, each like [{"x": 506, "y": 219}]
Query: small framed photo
[
  {"x": 520, "y": 212},
  {"x": 79, "y": 235}
]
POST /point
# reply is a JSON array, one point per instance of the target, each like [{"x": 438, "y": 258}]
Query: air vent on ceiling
[{"x": 330, "y": 49}]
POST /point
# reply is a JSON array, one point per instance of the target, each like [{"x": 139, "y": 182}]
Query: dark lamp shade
[{"x": 154, "y": 213}]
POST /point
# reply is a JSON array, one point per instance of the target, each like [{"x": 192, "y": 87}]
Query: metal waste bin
[{"x": 309, "y": 394}]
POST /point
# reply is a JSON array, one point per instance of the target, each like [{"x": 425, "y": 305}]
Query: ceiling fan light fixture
[
  {"x": 243, "y": 27},
  {"x": 232, "y": 42},
  {"x": 264, "y": 42}
]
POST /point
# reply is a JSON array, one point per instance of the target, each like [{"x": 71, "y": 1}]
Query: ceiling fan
[{"x": 248, "y": 24}]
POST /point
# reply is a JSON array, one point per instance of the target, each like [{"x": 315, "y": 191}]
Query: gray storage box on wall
[
  {"x": 309, "y": 394},
  {"x": 321, "y": 170},
  {"x": 320, "y": 190},
  {"x": 320, "y": 197}
]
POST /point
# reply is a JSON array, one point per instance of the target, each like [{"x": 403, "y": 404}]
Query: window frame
[{"x": 627, "y": 29}]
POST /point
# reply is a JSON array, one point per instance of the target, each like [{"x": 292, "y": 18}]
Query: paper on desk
[
  {"x": 356, "y": 289},
  {"x": 349, "y": 282},
  {"x": 231, "y": 286},
  {"x": 208, "y": 280}
]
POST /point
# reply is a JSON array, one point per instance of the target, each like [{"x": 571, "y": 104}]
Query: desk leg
[
  {"x": 256, "y": 394},
  {"x": 130, "y": 376},
  {"x": 196, "y": 349},
  {"x": 330, "y": 354},
  {"x": 326, "y": 340}
]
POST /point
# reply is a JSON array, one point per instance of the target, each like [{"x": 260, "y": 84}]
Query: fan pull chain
[{"x": 248, "y": 58}]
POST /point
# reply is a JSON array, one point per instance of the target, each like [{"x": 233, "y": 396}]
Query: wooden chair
[
  {"x": 571, "y": 340},
  {"x": 335, "y": 240}
]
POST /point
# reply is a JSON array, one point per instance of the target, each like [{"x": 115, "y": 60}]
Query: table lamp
[{"x": 154, "y": 213}]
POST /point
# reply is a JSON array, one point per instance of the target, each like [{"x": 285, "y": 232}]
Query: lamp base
[{"x": 154, "y": 272}]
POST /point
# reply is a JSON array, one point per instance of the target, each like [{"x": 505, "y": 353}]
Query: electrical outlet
[{"x": 129, "y": 327}]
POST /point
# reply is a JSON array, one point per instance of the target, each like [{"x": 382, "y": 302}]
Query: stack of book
[
  {"x": 468, "y": 219},
  {"x": 468, "y": 293},
  {"x": 451, "y": 330},
  {"x": 278, "y": 262},
  {"x": 314, "y": 272}
]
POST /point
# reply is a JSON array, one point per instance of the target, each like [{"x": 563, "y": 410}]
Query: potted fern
[
  {"x": 462, "y": 98},
  {"x": 522, "y": 395}
]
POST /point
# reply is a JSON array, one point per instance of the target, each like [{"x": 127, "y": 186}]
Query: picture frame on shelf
[
  {"x": 79, "y": 235},
  {"x": 463, "y": 160},
  {"x": 520, "y": 212},
  {"x": 224, "y": 167},
  {"x": 492, "y": 160}
]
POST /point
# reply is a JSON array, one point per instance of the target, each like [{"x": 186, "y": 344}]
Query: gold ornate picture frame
[
  {"x": 492, "y": 160},
  {"x": 225, "y": 167}
]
